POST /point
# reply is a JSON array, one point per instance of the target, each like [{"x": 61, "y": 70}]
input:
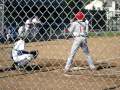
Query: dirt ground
[{"x": 48, "y": 67}]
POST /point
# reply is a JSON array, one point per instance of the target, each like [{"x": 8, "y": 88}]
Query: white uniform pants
[
  {"x": 23, "y": 59},
  {"x": 78, "y": 42}
]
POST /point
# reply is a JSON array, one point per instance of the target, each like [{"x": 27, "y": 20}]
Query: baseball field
[{"x": 47, "y": 69}]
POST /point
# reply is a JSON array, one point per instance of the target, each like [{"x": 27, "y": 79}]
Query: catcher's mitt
[{"x": 34, "y": 53}]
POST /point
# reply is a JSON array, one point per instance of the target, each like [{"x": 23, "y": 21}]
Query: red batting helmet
[{"x": 79, "y": 15}]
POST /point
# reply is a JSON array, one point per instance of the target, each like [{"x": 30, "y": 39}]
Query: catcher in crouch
[
  {"x": 20, "y": 56},
  {"x": 79, "y": 29}
]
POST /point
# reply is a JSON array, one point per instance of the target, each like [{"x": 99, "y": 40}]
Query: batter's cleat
[
  {"x": 67, "y": 69},
  {"x": 92, "y": 67},
  {"x": 67, "y": 72}
]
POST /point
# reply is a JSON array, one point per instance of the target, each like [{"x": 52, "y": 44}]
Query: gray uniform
[
  {"x": 79, "y": 30},
  {"x": 23, "y": 31}
]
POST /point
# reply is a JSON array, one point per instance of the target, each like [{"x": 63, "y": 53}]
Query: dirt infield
[{"x": 51, "y": 60}]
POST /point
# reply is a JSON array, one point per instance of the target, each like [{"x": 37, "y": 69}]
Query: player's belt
[{"x": 82, "y": 36}]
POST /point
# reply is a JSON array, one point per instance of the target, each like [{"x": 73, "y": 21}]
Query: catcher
[
  {"x": 79, "y": 29},
  {"x": 20, "y": 56}
]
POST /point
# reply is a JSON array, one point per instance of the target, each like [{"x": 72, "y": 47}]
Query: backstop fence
[{"x": 48, "y": 37}]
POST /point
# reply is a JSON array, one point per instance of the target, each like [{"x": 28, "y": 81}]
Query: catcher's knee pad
[{"x": 34, "y": 53}]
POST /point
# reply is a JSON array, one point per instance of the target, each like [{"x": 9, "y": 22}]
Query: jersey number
[{"x": 81, "y": 29}]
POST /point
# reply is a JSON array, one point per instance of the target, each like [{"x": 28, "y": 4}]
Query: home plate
[{"x": 78, "y": 68}]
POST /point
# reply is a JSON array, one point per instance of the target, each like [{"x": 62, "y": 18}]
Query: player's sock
[
  {"x": 90, "y": 62},
  {"x": 68, "y": 64}
]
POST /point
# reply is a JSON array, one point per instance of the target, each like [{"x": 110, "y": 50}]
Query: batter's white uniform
[
  {"x": 18, "y": 54},
  {"x": 79, "y": 30}
]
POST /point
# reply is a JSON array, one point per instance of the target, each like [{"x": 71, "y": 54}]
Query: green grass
[{"x": 104, "y": 34}]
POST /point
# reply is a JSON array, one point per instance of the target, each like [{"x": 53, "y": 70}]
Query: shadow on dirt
[
  {"x": 47, "y": 66},
  {"x": 31, "y": 68},
  {"x": 27, "y": 68},
  {"x": 100, "y": 66},
  {"x": 112, "y": 88}
]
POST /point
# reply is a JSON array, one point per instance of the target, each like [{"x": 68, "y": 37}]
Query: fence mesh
[{"x": 46, "y": 39}]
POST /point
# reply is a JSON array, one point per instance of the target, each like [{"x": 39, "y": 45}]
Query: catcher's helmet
[{"x": 79, "y": 15}]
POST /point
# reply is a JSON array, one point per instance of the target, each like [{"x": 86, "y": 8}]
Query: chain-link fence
[{"x": 41, "y": 25}]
